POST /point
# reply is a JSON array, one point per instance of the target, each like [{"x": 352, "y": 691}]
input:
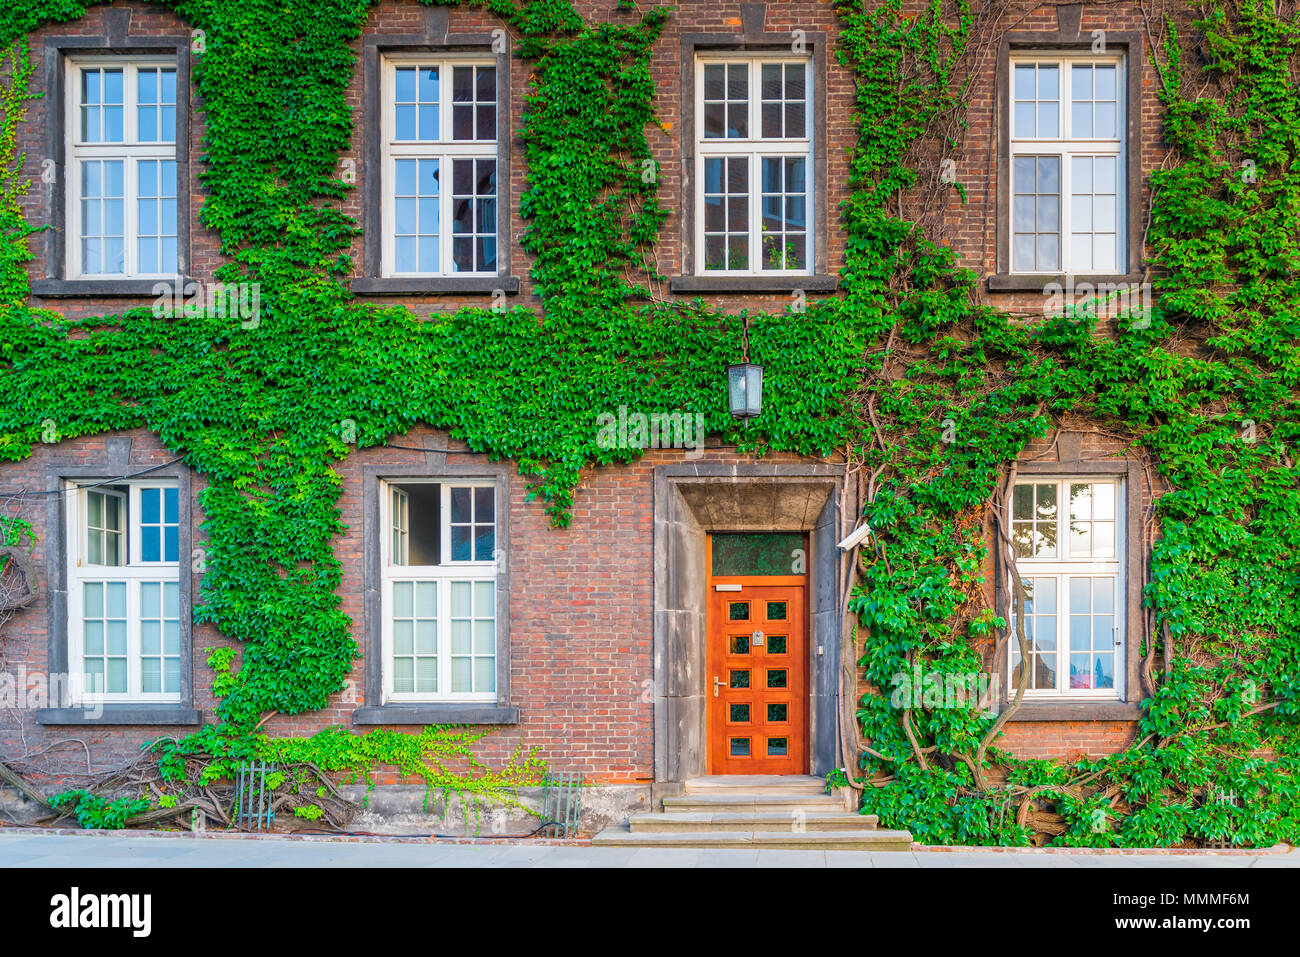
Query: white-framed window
[
  {"x": 120, "y": 127},
  {"x": 754, "y": 170},
  {"x": 124, "y": 625},
  {"x": 439, "y": 590},
  {"x": 439, "y": 136},
  {"x": 1068, "y": 539},
  {"x": 1067, "y": 202}
]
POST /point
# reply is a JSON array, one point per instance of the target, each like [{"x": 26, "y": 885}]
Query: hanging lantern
[{"x": 745, "y": 390}]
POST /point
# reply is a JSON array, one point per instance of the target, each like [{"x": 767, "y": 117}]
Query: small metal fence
[
  {"x": 561, "y": 804},
  {"x": 252, "y": 801}
]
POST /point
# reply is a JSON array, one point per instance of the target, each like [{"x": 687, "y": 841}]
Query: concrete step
[
  {"x": 788, "y": 820},
  {"x": 811, "y": 840},
  {"x": 756, "y": 784},
  {"x": 750, "y": 802}
]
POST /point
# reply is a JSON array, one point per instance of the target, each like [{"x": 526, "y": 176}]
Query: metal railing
[{"x": 561, "y": 804}]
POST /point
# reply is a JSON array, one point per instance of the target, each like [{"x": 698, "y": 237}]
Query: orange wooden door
[{"x": 757, "y": 682}]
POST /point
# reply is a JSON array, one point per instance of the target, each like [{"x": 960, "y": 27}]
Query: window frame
[
  {"x": 435, "y": 43},
  {"x": 116, "y": 41},
  {"x": 1070, "y": 39},
  {"x": 755, "y": 148},
  {"x": 380, "y": 706},
  {"x": 130, "y": 151},
  {"x": 1069, "y": 461},
  {"x": 112, "y": 463},
  {"x": 135, "y": 573},
  {"x": 1066, "y": 148},
  {"x": 445, "y": 150},
  {"x": 1064, "y": 568},
  {"x": 752, "y": 40}
]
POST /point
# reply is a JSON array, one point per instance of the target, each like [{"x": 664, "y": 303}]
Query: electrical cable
[{"x": 112, "y": 481}]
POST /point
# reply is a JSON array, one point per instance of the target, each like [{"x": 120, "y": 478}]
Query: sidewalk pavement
[{"x": 34, "y": 848}]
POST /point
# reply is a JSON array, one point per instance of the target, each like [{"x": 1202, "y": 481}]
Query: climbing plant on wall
[
  {"x": 1203, "y": 388},
  {"x": 264, "y": 409},
  {"x": 907, "y": 357}
]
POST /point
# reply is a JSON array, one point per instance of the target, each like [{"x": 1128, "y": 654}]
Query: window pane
[
  {"x": 403, "y": 675},
  {"x": 1024, "y": 82},
  {"x": 461, "y": 675},
  {"x": 1049, "y": 120},
  {"x": 485, "y": 637},
  {"x": 1048, "y": 83},
  {"x": 726, "y": 186},
  {"x": 484, "y": 543},
  {"x": 783, "y": 203},
  {"x": 1081, "y": 82},
  {"x": 757, "y": 553},
  {"x": 460, "y": 543},
  {"x": 402, "y": 599},
  {"x": 150, "y": 543},
  {"x": 483, "y": 599}
]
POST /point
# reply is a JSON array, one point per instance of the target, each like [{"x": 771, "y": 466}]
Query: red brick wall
[
  {"x": 581, "y": 604},
  {"x": 581, "y": 618}
]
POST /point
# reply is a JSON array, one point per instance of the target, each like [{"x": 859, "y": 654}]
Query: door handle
[{"x": 718, "y": 683}]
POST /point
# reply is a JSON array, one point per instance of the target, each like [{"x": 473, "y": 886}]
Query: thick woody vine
[
  {"x": 929, "y": 393},
  {"x": 1202, "y": 389}
]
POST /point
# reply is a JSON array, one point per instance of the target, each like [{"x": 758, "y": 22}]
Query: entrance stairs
[{"x": 766, "y": 811}]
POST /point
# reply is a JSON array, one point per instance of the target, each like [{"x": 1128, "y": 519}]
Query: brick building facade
[{"x": 599, "y": 657}]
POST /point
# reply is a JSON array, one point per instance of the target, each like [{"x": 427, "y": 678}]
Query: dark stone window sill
[
  {"x": 468, "y": 713},
  {"x": 100, "y": 288},
  {"x": 1003, "y": 282},
  {"x": 449, "y": 286},
  {"x": 115, "y": 714},
  {"x": 1076, "y": 711},
  {"x": 752, "y": 284}
]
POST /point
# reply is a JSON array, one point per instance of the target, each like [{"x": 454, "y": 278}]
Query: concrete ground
[{"x": 30, "y": 848}]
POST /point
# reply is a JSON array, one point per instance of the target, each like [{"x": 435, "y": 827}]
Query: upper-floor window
[
  {"x": 439, "y": 135},
  {"x": 123, "y": 555},
  {"x": 1067, "y": 163},
  {"x": 753, "y": 149},
  {"x": 439, "y": 591},
  {"x": 120, "y": 125},
  {"x": 1067, "y": 536}
]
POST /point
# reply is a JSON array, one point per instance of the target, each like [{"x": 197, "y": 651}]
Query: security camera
[{"x": 855, "y": 537}]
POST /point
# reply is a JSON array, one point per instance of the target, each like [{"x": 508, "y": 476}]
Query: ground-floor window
[
  {"x": 439, "y": 601},
  {"x": 1067, "y": 536},
  {"x": 124, "y": 620}
]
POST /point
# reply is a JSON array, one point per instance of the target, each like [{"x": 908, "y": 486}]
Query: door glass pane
[{"x": 758, "y": 553}]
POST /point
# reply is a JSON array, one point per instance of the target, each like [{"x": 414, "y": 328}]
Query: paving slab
[
  {"x": 728, "y": 857},
  {"x": 79, "y": 850},
  {"x": 781, "y": 858}
]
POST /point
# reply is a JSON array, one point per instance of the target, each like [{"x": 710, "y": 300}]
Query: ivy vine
[{"x": 908, "y": 354}]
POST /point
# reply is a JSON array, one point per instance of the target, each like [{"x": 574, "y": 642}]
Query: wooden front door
[{"x": 757, "y": 679}]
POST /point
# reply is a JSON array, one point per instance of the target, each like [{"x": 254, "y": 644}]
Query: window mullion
[
  {"x": 444, "y": 637},
  {"x": 444, "y": 214},
  {"x": 1067, "y": 207},
  {"x": 130, "y": 243},
  {"x": 754, "y": 77},
  {"x": 1067, "y": 120},
  {"x": 755, "y": 209},
  {"x": 134, "y": 687}
]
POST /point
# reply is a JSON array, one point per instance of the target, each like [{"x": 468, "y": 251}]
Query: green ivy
[{"x": 908, "y": 371}]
